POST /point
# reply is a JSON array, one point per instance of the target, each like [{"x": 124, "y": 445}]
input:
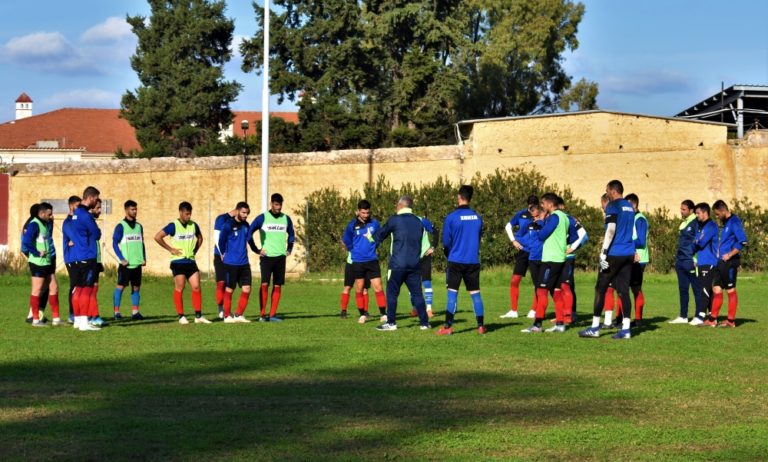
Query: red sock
[
  {"x": 93, "y": 303},
  {"x": 559, "y": 308},
  {"x": 542, "y": 298},
  {"x": 639, "y": 305},
  {"x": 381, "y": 300},
  {"x": 178, "y": 300},
  {"x": 242, "y": 302},
  {"x": 263, "y": 299},
  {"x": 567, "y": 302},
  {"x": 76, "y": 301},
  {"x": 53, "y": 300},
  {"x": 34, "y": 302},
  {"x": 344, "y": 301},
  {"x": 227, "y": 303},
  {"x": 733, "y": 303},
  {"x": 275, "y": 301},
  {"x": 197, "y": 300},
  {"x": 717, "y": 303},
  {"x": 534, "y": 301},
  {"x": 609, "y": 299},
  {"x": 365, "y": 301},
  {"x": 360, "y": 301},
  {"x": 85, "y": 300},
  {"x": 221, "y": 287},
  {"x": 514, "y": 291}
]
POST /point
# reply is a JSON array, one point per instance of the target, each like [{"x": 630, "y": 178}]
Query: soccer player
[
  {"x": 407, "y": 232},
  {"x": 33, "y": 212},
  {"x": 358, "y": 239},
  {"x": 349, "y": 283},
  {"x": 732, "y": 241},
  {"x": 277, "y": 237},
  {"x": 685, "y": 266},
  {"x": 218, "y": 267},
  {"x": 425, "y": 265},
  {"x": 616, "y": 258},
  {"x": 705, "y": 247},
  {"x": 577, "y": 236},
  {"x": 66, "y": 231},
  {"x": 461, "y": 242},
  {"x": 554, "y": 236},
  {"x": 186, "y": 240},
  {"x": 533, "y": 244},
  {"x": 128, "y": 245},
  {"x": 93, "y": 305},
  {"x": 84, "y": 235},
  {"x": 234, "y": 240},
  {"x": 37, "y": 244},
  {"x": 642, "y": 257},
  {"x": 520, "y": 220}
]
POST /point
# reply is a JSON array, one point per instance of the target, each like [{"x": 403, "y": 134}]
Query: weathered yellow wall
[{"x": 663, "y": 161}]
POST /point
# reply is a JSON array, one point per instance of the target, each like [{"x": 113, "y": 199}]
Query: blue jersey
[
  {"x": 732, "y": 236},
  {"x": 218, "y": 224},
  {"x": 355, "y": 238},
  {"x": 521, "y": 220},
  {"x": 234, "y": 241},
  {"x": 574, "y": 226},
  {"x": 535, "y": 245},
  {"x": 84, "y": 235},
  {"x": 461, "y": 235},
  {"x": 706, "y": 243},
  {"x": 29, "y": 238},
  {"x": 621, "y": 213},
  {"x": 66, "y": 231}
]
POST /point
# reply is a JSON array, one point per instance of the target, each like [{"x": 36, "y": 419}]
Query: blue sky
[{"x": 650, "y": 56}]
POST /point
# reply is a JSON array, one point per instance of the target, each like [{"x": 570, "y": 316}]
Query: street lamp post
[{"x": 244, "y": 126}]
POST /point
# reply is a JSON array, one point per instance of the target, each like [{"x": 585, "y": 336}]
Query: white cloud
[
  {"x": 645, "y": 83},
  {"x": 112, "y": 29},
  {"x": 92, "y": 97},
  {"x": 47, "y": 51}
]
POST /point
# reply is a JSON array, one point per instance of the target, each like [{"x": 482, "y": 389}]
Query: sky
[{"x": 650, "y": 57}]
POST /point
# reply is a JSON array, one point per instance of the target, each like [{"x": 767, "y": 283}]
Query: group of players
[
  {"x": 545, "y": 236},
  {"x": 182, "y": 238}
]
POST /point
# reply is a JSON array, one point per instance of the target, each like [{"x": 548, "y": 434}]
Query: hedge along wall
[{"x": 326, "y": 212}]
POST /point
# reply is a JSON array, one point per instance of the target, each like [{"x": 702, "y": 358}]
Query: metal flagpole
[{"x": 265, "y": 115}]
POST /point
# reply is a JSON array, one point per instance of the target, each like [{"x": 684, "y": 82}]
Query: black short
[
  {"x": 425, "y": 265},
  {"x": 83, "y": 273},
  {"x": 184, "y": 269},
  {"x": 349, "y": 281},
  {"x": 636, "y": 280},
  {"x": 366, "y": 270},
  {"x": 706, "y": 276},
  {"x": 38, "y": 271},
  {"x": 617, "y": 275},
  {"x": 521, "y": 263},
  {"x": 726, "y": 273},
  {"x": 218, "y": 269},
  {"x": 237, "y": 275},
  {"x": 549, "y": 275},
  {"x": 128, "y": 276},
  {"x": 273, "y": 268},
  {"x": 469, "y": 273},
  {"x": 566, "y": 276},
  {"x": 534, "y": 266}
]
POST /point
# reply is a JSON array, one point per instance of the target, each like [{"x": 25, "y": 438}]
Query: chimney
[{"x": 23, "y": 106}]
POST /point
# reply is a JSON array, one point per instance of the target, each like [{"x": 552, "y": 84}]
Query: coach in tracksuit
[{"x": 407, "y": 232}]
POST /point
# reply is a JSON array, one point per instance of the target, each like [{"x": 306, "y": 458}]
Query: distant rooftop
[{"x": 741, "y": 107}]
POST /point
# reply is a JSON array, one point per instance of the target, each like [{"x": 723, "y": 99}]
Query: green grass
[{"x": 319, "y": 388}]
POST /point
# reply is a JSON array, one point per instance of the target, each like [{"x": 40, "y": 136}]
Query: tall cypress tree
[{"x": 183, "y": 101}]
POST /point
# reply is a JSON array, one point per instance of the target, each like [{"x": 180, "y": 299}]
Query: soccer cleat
[
  {"x": 59, "y": 322},
  {"x": 221, "y": 312},
  {"x": 727, "y": 323},
  {"x": 482, "y": 330},
  {"x": 29, "y": 320},
  {"x": 275, "y": 319},
  {"x": 560, "y": 328},
  {"x": 386, "y": 327},
  {"x": 534, "y": 329},
  {"x": 678, "y": 320},
  {"x": 241, "y": 319},
  {"x": 425, "y": 327},
  {"x": 362, "y": 319},
  {"x": 38, "y": 323},
  {"x": 98, "y": 322},
  {"x": 532, "y": 314},
  {"x": 608, "y": 326},
  {"x": 623, "y": 334},
  {"x": 697, "y": 321},
  {"x": 637, "y": 323},
  {"x": 510, "y": 314},
  {"x": 384, "y": 319},
  {"x": 71, "y": 319},
  {"x": 118, "y": 316},
  {"x": 137, "y": 317},
  {"x": 708, "y": 323},
  {"x": 88, "y": 327},
  {"x": 229, "y": 320},
  {"x": 591, "y": 332},
  {"x": 344, "y": 314},
  {"x": 263, "y": 319},
  {"x": 445, "y": 330},
  {"x": 414, "y": 313},
  {"x": 183, "y": 320},
  {"x": 202, "y": 320}
]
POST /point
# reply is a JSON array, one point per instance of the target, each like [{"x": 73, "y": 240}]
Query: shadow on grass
[{"x": 268, "y": 404}]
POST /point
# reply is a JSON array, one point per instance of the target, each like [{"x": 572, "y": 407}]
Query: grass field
[{"x": 320, "y": 388}]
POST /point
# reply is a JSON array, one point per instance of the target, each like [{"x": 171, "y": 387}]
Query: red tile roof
[
  {"x": 96, "y": 130},
  {"x": 23, "y": 98}
]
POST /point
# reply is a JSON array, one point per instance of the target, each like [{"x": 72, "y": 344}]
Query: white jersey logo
[
  {"x": 469, "y": 217},
  {"x": 275, "y": 228}
]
